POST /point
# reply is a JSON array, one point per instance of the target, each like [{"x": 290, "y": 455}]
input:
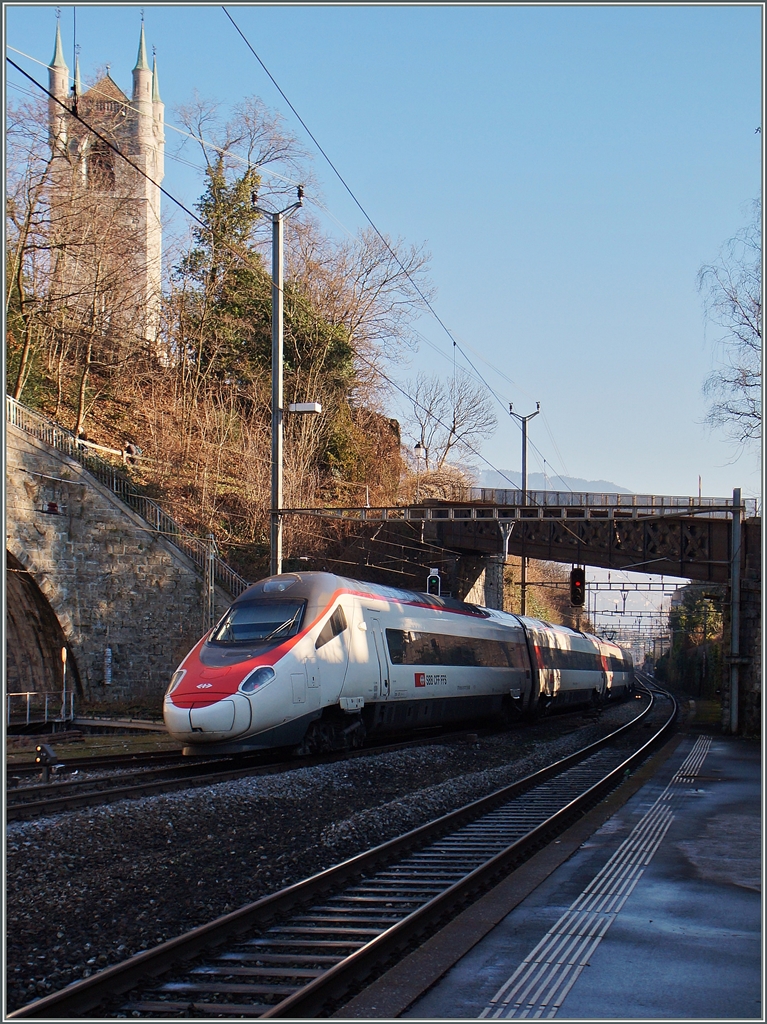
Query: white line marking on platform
[{"x": 540, "y": 984}]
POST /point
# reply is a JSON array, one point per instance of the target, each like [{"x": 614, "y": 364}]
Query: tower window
[{"x": 101, "y": 170}]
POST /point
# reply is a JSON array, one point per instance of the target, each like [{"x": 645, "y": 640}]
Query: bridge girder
[
  {"x": 688, "y": 546},
  {"x": 683, "y": 546}
]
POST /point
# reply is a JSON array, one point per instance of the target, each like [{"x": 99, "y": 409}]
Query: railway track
[
  {"x": 39, "y": 800},
  {"x": 305, "y": 950},
  {"x": 163, "y": 773},
  {"x": 102, "y": 762}
]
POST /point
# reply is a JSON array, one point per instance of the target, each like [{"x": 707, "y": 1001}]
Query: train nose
[{"x": 208, "y": 721}]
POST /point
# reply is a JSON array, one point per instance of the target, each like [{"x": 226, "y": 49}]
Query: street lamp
[
  {"x": 278, "y": 222},
  {"x": 523, "y": 573}
]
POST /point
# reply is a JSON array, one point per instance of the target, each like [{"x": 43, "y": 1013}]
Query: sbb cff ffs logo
[{"x": 578, "y": 587}]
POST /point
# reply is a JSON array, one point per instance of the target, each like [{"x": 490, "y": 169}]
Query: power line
[
  {"x": 206, "y": 143},
  {"x": 363, "y": 211}
]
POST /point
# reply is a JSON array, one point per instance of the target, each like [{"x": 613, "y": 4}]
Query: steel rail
[
  {"x": 103, "y": 762},
  {"x": 26, "y": 802},
  {"x": 372, "y": 946},
  {"x": 339, "y": 982},
  {"x": 71, "y": 800}
]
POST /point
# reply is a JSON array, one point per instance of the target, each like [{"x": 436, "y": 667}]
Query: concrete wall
[
  {"x": 479, "y": 580},
  {"x": 109, "y": 580}
]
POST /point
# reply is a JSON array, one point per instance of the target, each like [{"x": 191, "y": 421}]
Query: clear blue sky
[{"x": 569, "y": 167}]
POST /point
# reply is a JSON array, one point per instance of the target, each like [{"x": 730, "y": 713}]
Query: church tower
[{"x": 105, "y": 211}]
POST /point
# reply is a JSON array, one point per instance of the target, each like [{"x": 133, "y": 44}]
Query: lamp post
[
  {"x": 63, "y": 683},
  {"x": 523, "y": 568},
  {"x": 275, "y": 529}
]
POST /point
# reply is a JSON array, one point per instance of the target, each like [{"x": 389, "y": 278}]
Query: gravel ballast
[{"x": 89, "y": 888}]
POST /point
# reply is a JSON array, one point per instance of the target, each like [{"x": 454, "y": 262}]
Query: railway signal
[
  {"x": 433, "y": 583},
  {"x": 578, "y": 587},
  {"x": 45, "y": 756}
]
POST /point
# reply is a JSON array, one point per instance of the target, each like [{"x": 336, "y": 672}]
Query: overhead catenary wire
[
  {"x": 205, "y": 143},
  {"x": 476, "y": 375},
  {"x": 245, "y": 258},
  {"x": 427, "y": 304}
]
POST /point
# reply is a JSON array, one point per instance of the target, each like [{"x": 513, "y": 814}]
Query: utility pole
[
  {"x": 420, "y": 453},
  {"x": 63, "y": 683},
  {"x": 523, "y": 568},
  {"x": 278, "y": 223}
]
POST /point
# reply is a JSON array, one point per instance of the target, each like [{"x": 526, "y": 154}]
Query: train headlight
[
  {"x": 175, "y": 679},
  {"x": 258, "y": 677}
]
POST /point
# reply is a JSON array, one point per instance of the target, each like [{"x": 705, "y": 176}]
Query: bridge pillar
[{"x": 479, "y": 580}]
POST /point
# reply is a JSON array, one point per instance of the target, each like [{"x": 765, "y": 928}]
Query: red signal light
[{"x": 578, "y": 587}]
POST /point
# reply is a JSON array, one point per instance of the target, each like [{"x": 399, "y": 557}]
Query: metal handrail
[
  {"x": 593, "y": 499},
  {"x": 41, "y": 703},
  {"x": 63, "y": 440}
]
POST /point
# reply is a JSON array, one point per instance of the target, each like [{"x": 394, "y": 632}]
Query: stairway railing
[{"x": 63, "y": 440}]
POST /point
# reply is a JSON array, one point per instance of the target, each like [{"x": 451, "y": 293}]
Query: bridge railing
[
  {"x": 63, "y": 440},
  {"x": 648, "y": 503}
]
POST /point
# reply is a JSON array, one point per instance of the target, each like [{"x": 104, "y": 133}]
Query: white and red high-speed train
[{"x": 318, "y": 662}]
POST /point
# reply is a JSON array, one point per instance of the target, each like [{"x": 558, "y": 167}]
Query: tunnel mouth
[{"x": 34, "y": 637}]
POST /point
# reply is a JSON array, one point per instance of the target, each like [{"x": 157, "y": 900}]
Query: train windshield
[{"x": 259, "y": 622}]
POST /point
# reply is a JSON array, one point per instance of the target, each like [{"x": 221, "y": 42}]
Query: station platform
[{"x": 648, "y": 908}]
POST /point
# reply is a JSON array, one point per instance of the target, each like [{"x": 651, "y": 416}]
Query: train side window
[
  {"x": 562, "y": 658},
  {"x": 409, "y": 648},
  {"x": 336, "y": 624}
]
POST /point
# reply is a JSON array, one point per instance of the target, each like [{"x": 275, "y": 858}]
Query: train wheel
[
  {"x": 354, "y": 735},
  {"x": 314, "y": 741},
  {"x": 324, "y": 736}
]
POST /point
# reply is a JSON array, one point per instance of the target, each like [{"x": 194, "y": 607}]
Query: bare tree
[
  {"x": 449, "y": 418},
  {"x": 254, "y": 138},
  {"x": 732, "y": 288},
  {"x": 28, "y": 252},
  {"x": 73, "y": 287},
  {"x": 373, "y": 287}
]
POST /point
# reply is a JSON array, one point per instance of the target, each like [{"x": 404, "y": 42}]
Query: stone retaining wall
[{"x": 111, "y": 582}]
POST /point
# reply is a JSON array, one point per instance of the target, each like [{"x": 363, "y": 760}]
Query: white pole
[
  {"x": 275, "y": 526},
  {"x": 64, "y": 684},
  {"x": 523, "y": 567},
  {"x": 275, "y": 564}
]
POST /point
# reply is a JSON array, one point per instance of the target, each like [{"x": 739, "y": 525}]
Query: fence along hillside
[{"x": 64, "y": 440}]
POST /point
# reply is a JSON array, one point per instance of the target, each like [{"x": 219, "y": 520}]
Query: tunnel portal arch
[{"x": 34, "y": 637}]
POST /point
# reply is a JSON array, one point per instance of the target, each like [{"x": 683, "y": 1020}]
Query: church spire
[
  {"x": 141, "y": 61},
  {"x": 155, "y": 82},
  {"x": 58, "y": 55}
]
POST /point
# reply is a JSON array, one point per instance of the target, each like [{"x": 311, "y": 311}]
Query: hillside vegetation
[{"x": 196, "y": 399}]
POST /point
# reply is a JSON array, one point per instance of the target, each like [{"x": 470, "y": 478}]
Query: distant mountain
[{"x": 537, "y": 482}]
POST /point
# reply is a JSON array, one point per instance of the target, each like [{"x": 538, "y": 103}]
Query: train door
[
  {"x": 378, "y": 653},
  {"x": 313, "y": 683}
]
